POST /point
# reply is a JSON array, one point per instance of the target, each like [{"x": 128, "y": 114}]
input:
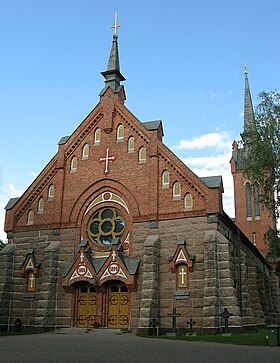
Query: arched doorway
[
  {"x": 86, "y": 306},
  {"x": 118, "y": 305}
]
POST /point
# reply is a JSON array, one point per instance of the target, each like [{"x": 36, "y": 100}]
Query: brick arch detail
[{"x": 97, "y": 188}]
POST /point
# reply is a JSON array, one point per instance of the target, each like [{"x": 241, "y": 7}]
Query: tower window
[
  {"x": 73, "y": 167},
  {"x": 120, "y": 133},
  {"x": 142, "y": 155},
  {"x": 248, "y": 200},
  {"x": 85, "y": 154},
  {"x": 131, "y": 144},
  {"x": 165, "y": 179},
  {"x": 176, "y": 190},
  {"x": 256, "y": 201},
  {"x": 97, "y": 136}
]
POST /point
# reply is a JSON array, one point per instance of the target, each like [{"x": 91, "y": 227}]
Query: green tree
[
  {"x": 261, "y": 157},
  {"x": 2, "y": 244}
]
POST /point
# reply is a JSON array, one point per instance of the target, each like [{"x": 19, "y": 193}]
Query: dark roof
[
  {"x": 237, "y": 156},
  {"x": 213, "y": 181},
  {"x": 98, "y": 263},
  {"x": 11, "y": 203},
  {"x": 131, "y": 264},
  {"x": 63, "y": 140},
  {"x": 153, "y": 125}
]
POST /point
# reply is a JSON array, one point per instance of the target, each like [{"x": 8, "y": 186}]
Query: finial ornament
[
  {"x": 245, "y": 70},
  {"x": 116, "y": 25}
]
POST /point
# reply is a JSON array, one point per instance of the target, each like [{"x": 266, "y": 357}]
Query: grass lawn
[{"x": 244, "y": 338}]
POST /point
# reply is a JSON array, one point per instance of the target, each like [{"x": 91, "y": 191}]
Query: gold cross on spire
[
  {"x": 245, "y": 70},
  {"x": 116, "y": 25}
]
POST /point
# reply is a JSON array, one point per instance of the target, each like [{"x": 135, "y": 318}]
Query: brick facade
[{"x": 138, "y": 268}]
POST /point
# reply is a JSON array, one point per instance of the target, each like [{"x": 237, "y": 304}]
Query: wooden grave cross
[
  {"x": 174, "y": 315},
  {"x": 226, "y": 315}
]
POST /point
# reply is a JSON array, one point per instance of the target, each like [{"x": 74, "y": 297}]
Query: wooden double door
[
  {"x": 113, "y": 310},
  {"x": 118, "y": 306},
  {"x": 86, "y": 304}
]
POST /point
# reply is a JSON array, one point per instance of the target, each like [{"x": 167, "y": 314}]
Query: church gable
[{"x": 82, "y": 268}]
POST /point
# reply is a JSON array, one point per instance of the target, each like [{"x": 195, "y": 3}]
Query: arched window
[
  {"x": 248, "y": 200},
  {"x": 176, "y": 190},
  {"x": 51, "y": 192},
  {"x": 85, "y": 154},
  {"x": 73, "y": 167},
  {"x": 182, "y": 276},
  {"x": 142, "y": 154},
  {"x": 165, "y": 179},
  {"x": 188, "y": 201},
  {"x": 256, "y": 201},
  {"x": 97, "y": 136},
  {"x": 120, "y": 133},
  {"x": 41, "y": 205},
  {"x": 30, "y": 217},
  {"x": 31, "y": 282},
  {"x": 131, "y": 144}
]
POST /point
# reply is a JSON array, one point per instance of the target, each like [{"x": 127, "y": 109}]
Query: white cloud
[
  {"x": 212, "y": 166},
  {"x": 217, "y": 140},
  {"x": 32, "y": 174},
  {"x": 218, "y": 164}
]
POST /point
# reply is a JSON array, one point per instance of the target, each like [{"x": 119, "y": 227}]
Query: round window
[{"x": 104, "y": 225}]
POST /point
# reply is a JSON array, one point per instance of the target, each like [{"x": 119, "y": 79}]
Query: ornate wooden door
[
  {"x": 86, "y": 302},
  {"x": 118, "y": 309}
]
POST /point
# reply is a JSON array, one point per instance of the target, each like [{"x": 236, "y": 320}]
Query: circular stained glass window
[{"x": 104, "y": 225}]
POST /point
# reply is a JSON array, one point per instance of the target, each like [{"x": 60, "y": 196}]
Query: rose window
[{"x": 104, "y": 225}]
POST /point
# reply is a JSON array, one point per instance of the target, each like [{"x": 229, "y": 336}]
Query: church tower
[{"x": 250, "y": 216}]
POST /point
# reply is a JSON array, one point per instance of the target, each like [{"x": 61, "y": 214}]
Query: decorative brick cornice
[
  {"x": 36, "y": 192},
  {"x": 132, "y": 127},
  {"x": 82, "y": 135},
  {"x": 181, "y": 175}
]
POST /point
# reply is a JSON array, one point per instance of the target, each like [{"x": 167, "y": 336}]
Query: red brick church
[{"x": 116, "y": 231}]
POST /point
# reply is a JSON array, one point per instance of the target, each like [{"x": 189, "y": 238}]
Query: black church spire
[
  {"x": 249, "y": 118},
  {"x": 113, "y": 75}
]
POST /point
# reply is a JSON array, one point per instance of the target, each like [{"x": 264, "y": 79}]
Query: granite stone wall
[{"x": 7, "y": 255}]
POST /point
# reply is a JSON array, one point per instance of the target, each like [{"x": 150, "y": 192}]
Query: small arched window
[
  {"x": 165, "y": 179},
  {"x": 182, "y": 276},
  {"x": 31, "y": 282},
  {"x": 142, "y": 154},
  {"x": 120, "y": 133},
  {"x": 256, "y": 201},
  {"x": 51, "y": 192},
  {"x": 248, "y": 200},
  {"x": 30, "y": 217},
  {"x": 97, "y": 136},
  {"x": 41, "y": 205},
  {"x": 85, "y": 154},
  {"x": 73, "y": 167},
  {"x": 131, "y": 144},
  {"x": 188, "y": 201},
  {"x": 176, "y": 190}
]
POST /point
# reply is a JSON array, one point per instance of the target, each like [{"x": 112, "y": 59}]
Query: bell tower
[{"x": 250, "y": 216}]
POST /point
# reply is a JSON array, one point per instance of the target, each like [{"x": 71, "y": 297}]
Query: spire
[
  {"x": 113, "y": 75},
  {"x": 248, "y": 105}
]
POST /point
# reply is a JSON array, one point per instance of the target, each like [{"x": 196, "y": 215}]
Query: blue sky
[{"x": 183, "y": 62}]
